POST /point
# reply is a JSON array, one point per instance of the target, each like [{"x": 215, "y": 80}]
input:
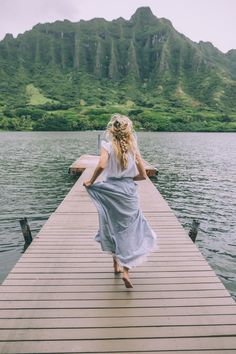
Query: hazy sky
[{"x": 207, "y": 20}]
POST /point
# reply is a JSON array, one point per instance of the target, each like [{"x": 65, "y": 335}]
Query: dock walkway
[{"x": 62, "y": 295}]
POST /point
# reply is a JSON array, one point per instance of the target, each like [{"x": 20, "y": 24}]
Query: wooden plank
[
  {"x": 57, "y": 334},
  {"x": 114, "y": 295},
  {"x": 122, "y": 303},
  {"x": 72, "y": 206},
  {"x": 162, "y": 256},
  {"x": 95, "y": 248},
  {"x": 24, "y": 287},
  {"x": 77, "y": 252},
  {"x": 106, "y": 282},
  {"x": 119, "y": 345},
  {"x": 181, "y": 311},
  {"x": 118, "y": 322},
  {"x": 103, "y": 269},
  {"x": 162, "y": 253},
  {"x": 89, "y": 234},
  {"x": 90, "y": 243},
  {"x": 84, "y": 262},
  {"x": 86, "y": 237},
  {"x": 110, "y": 275},
  {"x": 105, "y": 274},
  {"x": 68, "y": 263}
]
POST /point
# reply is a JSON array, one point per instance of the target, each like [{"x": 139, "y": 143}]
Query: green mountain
[{"x": 66, "y": 75}]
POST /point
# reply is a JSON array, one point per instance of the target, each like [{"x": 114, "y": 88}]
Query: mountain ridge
[{"x": 143, "y": 60}]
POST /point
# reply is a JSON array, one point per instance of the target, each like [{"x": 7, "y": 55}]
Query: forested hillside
[{"x": 73, "y": 76}]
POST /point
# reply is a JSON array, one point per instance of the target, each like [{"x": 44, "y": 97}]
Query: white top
[{"x": 113, "y": 168}]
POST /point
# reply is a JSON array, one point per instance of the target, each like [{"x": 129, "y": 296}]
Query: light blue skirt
[{"x": 123, "y": 230}]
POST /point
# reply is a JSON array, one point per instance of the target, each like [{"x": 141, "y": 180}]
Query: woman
[{"x": 123, "y": 230}]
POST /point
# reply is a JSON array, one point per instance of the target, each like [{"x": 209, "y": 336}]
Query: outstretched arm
[
  {"x": 99, "y": 168},
  {"x": 141, "y": 169}
]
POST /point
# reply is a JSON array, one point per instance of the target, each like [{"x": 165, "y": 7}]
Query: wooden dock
[
  {"x": 86, "y": 161},
  {"x": 62, "y": 295}
]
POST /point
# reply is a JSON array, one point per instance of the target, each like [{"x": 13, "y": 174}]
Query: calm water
[{"x": 197, "y": 175}]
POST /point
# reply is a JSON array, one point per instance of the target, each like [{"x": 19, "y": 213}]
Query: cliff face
[{"x": 144, "y": 52}]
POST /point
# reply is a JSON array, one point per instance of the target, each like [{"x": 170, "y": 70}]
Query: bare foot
[
  {"x": 126, "y": 278},
  {"x": 117, "y": 270},
  {"x": 127, "y": 282},
  {"x": 117, "y": 267}
]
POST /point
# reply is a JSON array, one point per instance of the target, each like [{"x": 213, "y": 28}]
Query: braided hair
[{"x": 120, "y": 130}]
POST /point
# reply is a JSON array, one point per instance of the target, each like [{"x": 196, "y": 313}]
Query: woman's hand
[{"x": 87, "y": 183}]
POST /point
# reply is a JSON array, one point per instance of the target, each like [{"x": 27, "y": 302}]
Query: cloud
[{"x": 16, "y": 16}]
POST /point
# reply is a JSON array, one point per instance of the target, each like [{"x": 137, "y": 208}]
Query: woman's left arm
[
  {"x": 99, "y": 168},
  {"x": 141, "y": 169}
]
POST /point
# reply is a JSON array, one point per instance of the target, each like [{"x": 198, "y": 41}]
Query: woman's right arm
[
  {"x": 141, "y": 169},
  {"x": 99, "y": 168}
]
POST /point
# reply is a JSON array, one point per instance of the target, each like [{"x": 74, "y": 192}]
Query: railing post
[
  {"x": 99, "y": 143},
  {"x": 194, "y": 230},
  {"x": 26, "y": 232}
]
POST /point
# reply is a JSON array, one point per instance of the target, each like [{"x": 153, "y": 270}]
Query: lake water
[{"x": 197, "y": 176}]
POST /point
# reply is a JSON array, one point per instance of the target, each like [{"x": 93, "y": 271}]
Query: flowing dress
[{"x": 123, "y": 230}]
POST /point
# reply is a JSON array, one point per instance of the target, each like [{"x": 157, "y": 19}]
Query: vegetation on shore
[{"x": 164, "y": 116}]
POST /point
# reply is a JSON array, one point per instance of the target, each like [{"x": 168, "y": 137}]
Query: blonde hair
[{"x": 120, "y": 131}]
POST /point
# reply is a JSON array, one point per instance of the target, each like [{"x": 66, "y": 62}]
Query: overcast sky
[{"x": 207, "y": 20}]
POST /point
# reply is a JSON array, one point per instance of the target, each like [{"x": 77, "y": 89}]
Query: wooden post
[
  {"x": 99, "y": 144},
  {"x": 194, "y": 230},
  {"x": 26, "y": 232}
]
